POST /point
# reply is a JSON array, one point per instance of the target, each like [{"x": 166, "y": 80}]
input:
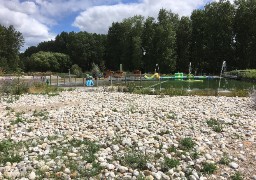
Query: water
[{"x": 206, "y": 84}]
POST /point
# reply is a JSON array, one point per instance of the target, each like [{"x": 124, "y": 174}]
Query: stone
[
  {"x": 67, "y": 171},
  {"x": 192, "y": 177},
  {"x": 32, "y": 175},
  {"x": 233, "y": 165},
  {"x": 157, "y": 175},
  {"x": 110, "y": 166},
  {"x": 122, "y": 169}
]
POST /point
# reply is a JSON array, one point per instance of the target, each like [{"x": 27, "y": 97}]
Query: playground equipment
[
  {"x": 154, "y": 76},
  {"x": 89, "y": 82},
  {"x": 180, "y": 76}
]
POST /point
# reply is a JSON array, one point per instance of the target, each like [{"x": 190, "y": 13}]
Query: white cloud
[
  {"x": 20, "y": 16},
  {"x": 99, "y": 18}
]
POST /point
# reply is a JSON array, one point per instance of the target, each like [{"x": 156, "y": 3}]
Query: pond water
[{"x": 206, "y": 84}]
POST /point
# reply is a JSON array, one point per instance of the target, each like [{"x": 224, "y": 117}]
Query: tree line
[{"x": 219, "y": 32}]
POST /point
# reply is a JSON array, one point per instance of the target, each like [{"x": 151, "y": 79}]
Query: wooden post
[
  {"x": 64, "y": 80},
  {"x": 83, "y": 82},
  {"x": 75, "y": 81},
  {"x": 57, "y": 80},
  {"x": 140, "y": 79},
  {"x": 50, "y": 80},
  {"x": 111, "y": 80},
  {"x": 97, "y": 82}
]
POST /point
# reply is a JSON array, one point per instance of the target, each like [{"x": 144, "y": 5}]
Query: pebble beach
[{"x": 98, "y": 134}]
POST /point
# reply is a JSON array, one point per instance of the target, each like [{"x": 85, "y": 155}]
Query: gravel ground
[{"x": 110, "y": 135}]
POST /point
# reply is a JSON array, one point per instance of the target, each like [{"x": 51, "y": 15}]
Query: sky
[{"x": 42, "y": 20}]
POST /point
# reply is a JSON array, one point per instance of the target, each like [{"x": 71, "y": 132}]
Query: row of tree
[{"x": 219, "y": 32}]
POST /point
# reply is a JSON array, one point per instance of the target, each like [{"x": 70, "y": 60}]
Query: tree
[
  {"x": 219, "y": 34},
  {"x": 48, "y": 61},
  {"x": 245, "y": 33},
  {"x": 11, "y": 41},
  {"x": 148, "y": 34},
  {"x": 184, "y": 33},
  {"x": 165, "y": 41}
]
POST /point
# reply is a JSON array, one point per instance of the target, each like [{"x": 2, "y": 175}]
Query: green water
[{"x": 210, "y": 84}]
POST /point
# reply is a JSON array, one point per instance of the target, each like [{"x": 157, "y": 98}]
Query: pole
[{"x": 57, "y": 80}]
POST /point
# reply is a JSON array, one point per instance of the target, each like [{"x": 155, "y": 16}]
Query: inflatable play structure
[
  {"x": 181, "y": 76},
  {"x": 89, "y": 82},
  {"x": 154, "y": 76}
]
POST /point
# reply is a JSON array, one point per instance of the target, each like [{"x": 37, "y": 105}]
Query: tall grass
[{"x": 18, "y": 87}]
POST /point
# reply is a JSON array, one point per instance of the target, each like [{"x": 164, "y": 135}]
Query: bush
[
  {"x": 14, "y": 87},
  {"x": 209, "y": 168},
  {"x": 75, "y": 69},
  {"x": 187, "y": 144},
  {"x": 135, "y": 160},
  {"x": 169, "y": 164}
]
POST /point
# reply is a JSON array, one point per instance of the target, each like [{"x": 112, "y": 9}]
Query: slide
[{"x": 154, "y": 76}]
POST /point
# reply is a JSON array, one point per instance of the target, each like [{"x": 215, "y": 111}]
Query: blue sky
[{"x": 42, "y": 20}]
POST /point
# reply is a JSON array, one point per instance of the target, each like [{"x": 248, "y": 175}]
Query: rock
[
  {"x": 157, "y": 175},
  {"x": 192, "y": 177},
  {"x": 115, "y": 148},
  {"x": 136, "y": 173},
  {"x": 147, "y": 172},
  {"x": 67, "y": 171},
  {"x": 32, "y": 175},
  {"x": 127, "y": 141},
  {"x": 110, "y": 166},
  {"x": 233, "y": 165},
  {"x": 208, "y": 156},
  {"x": 150, "y": 177},
  {"x": 122, "y": 169}
]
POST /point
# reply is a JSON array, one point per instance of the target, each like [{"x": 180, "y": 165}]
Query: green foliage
[
  {"x": 170, "y": 41},
  {"x": 75, "y": 69},
  {"x": 224, "y": 160},
  {"x": 215, "y": 125},
  {"x": 237, "y": 176},
  {"x": 187, "y": 143},
  {"x": 14, "y": 87},
  {"x": 49, "y": 61},
  {"x": 135, "y": 160},
  {"x": 42, "y": 114},
  {"x": 208, "y": 168},
  {"x": 8, "y": 152},
  {"x": 95, "y": 70},
  {"x": 11, "y": 42},
  {"x": 172, "y": 149},
  {"x": 169, "y": 164},
  {"x": 212, "y": 122}
]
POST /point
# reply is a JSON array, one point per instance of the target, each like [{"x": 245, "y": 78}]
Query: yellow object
[{"x": 156, "y": 76}]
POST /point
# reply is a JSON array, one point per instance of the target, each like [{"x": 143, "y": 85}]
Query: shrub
[
  {"x": 169, "y": 164},
  {"x": 237, "y": 176},
  {"x": 187, "y": 144},
  {"x": 135, "y": 160},
  {"x": 209, "y": 168},
  {"x": 14, "y": 87}
]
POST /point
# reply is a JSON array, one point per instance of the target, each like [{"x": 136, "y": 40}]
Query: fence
[{"x": 73, "y": 81}]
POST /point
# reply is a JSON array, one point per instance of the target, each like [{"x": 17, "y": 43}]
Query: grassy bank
[{"x": 248, "y": 74}]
